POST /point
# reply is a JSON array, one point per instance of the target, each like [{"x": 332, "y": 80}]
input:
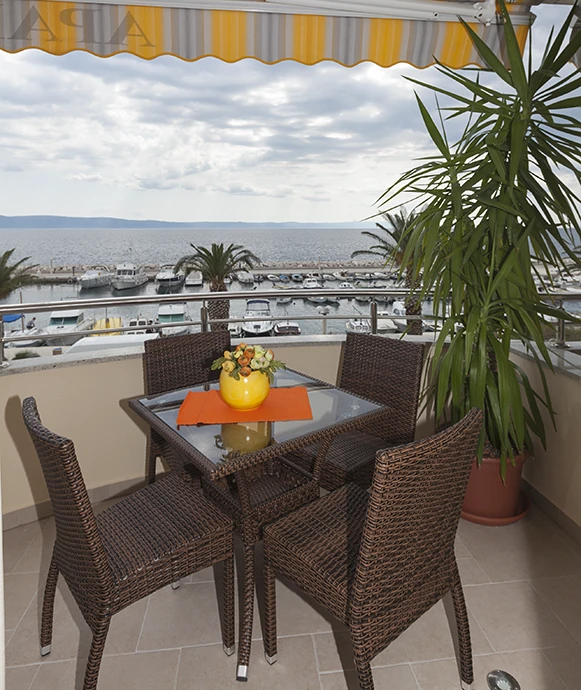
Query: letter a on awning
[{"x": 308, "y": 31}]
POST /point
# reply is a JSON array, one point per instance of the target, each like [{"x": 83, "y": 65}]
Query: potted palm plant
[
  {"x": 496, "y": 216},
  {"x": 215, "y": 264}
]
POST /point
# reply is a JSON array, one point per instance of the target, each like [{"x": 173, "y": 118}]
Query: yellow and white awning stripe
[{"x": 148, "y": 31}]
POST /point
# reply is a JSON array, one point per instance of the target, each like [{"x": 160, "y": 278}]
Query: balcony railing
[{"x": 205, "y": 297}]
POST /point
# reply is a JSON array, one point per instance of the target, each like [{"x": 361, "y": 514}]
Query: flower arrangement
[{"x": 246, "y": 359}]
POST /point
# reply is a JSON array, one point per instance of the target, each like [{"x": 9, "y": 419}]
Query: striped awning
[{"x": 266, "y": 34}]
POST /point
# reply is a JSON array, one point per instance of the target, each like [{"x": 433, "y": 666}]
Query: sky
[{"x": 207, "y": 141}]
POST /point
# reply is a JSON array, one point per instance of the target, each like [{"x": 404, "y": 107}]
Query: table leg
[{"x": 246, "y": 620}]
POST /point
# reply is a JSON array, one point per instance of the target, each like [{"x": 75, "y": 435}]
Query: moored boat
[
  {"x": 287, "y": 328},
  {"x": 358, "y": 326},
  {"x": 96, "y": 277},
  {"x": 245, "y": 278},
  {"x": 66, "y": 324},
  {"x": 257, "y": 310},
  {"x": 173, "y": 314},
  {"x": 128, "y": 276},
  {"x": 168, "y": 280},
  {"x": 194, "y": 279},
  {"x": 107, "y": 322}
]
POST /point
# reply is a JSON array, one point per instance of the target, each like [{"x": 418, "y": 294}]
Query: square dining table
[{"x": 255, "y": 471}]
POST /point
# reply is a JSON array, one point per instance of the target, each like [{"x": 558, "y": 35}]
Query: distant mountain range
[{"x": 50, "y": 222}]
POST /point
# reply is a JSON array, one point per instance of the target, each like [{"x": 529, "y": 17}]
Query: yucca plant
[
  {"x": 495, "y": 209},
  {"x": 215, "y": 264}
]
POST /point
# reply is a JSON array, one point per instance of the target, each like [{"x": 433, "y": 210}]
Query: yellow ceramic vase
[
  {"x": 248, "y": 393},
  {"x": 246, "y": 438}
]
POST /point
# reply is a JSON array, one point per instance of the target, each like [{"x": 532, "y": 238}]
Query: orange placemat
[{"x": 282, "y": 404}]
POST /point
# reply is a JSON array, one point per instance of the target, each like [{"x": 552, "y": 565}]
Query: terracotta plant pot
[{"x": 490, "y": 502}]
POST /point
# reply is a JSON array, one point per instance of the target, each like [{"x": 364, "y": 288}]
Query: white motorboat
[
  {"x": 66, "y": 325},
  {"x": 245, "y": 277},
  {"x": 111, "y": 342},
  {"x": 311, "y": 284},
  {"x": 287, "y": 328},
  {"x": 346, "y": 286},
  {"x": 227, "y": 280},
  {"x": 173, "y": 314},
  {"x": 257, "y": 310},
  {"x": 30, "y": 330},
  {"x": 194, "y": 279},
  {"x": 328, "y": 276},
  {"x": 168, "y": 280},
  {"x": 235, "y": 330},
  {"x": 315, "y": 300},
  {"x": 128, "y": 276},
  {"x": 385, "y": 323},
  {"x": 96, "y": 277},
  {"x": 297, "y": 278},
  {"x": 363, "y": 299},
  {"x": 338, "y": 275},
  {"x": 358, "y": 326},
  {"x": 378, "y": 275},
  {"x": 398, "y": 309},
  {"x": 284, "y": 300},
  {"x": 141, "y": 325},
  {"x": 272, "y": 277}
]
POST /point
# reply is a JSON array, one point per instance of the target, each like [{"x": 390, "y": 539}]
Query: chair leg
[
  {"x": 228, "y": 633},
  {"x": 464, "y": 645},
  {"x": 363, "y": 672},
  {"x": 270, "y": 641},
  {"x": 151, "y": 459},
  {"x": 95, "y": 656},
  {"x": 245, "y": 641},
  {"x": 48, "y": 609}
]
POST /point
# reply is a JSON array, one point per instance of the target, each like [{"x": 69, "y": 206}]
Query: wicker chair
[
  {"x": 178, "y": 362},
  {"x": 387, "y": 371},
  {"x": 146, "y": 541},
  {"x": 379, "y": 561}
]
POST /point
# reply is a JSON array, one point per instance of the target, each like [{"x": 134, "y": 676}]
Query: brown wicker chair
[
  {"x": 178, "y": 362},
  {"x": 387, "y": 371},
  {"x": 379, "y": 561},
  {"x": 146, "y": 541}
]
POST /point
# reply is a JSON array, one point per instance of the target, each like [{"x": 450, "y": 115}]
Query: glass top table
[
  {"x": 222, "y": 443},
  {"x": 275, "y": 484}
]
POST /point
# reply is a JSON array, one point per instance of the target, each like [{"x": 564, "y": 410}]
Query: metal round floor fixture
[{"x": 501, "y": 680}]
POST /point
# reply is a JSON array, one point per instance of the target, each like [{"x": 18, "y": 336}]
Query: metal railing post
[
  {"x": 204, "y": 318},
  {"x": 2, "y": 342},
  {"x": 560, "y": 340},
  {"x": 373, "y": 317}
]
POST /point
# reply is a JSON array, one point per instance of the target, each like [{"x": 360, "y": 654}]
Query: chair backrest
[
  {"x": 181, "y": 361},
  {"x": 79, "y": 552},
  {"x": 388, "y": 371},
  {"x": 406, "y": 560}
]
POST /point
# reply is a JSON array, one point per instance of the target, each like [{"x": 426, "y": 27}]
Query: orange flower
[
  {"x": 243, "y": 361},
  {"x": 241, "y": 346},
  {"x": 245, "y": 371},
  {"x": 249, "y": 352}
]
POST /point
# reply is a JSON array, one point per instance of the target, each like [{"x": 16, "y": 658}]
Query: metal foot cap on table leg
[
  {"x": 228, "y": 651},
  {"x": 271, "y": 659},
  {"x": 467, "y": 686},
  {"x": 175, "y": 585},
  {"x": 45, "y": 650},
  {"x": 242, "y": 673}
]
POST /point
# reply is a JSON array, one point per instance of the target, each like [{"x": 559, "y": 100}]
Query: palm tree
[
  {"x": 215, "y": 265},
  {"x": 391, "y": 246},
  {"x": 13, "y": 276}
]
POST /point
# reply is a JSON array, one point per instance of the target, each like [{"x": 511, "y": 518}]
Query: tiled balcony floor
[{"x": 522, "y": 584}]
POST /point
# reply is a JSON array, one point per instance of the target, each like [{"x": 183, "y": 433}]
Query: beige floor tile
[
  {"x": 143, "y": 671},
  {"x": 20, "y": 678},
  {"x": 523, "y": 551},
  {"x": 16, "y": 541},
  {"x": 461, "y": 549},
  {"x": 529, "y": 667},
  {"x": 563, "y": 595},
  {"x": 513, "y": 616},
  {"x": 471, "y": 573},
  {"x": 299, "y": 614},
  {"x": 19, "y": 591},
  {"x": 63, "y": 675},
  {"x": 181, "y": 618},
  {"x": 208, "y": 668},
  {"x": 392, "y": 678},
  {"x": 566, "y": 662},
  {"x": 37, "y": 556},
  {"x": 71, "y": 635},
  {"x": 428, "y": 638}
]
